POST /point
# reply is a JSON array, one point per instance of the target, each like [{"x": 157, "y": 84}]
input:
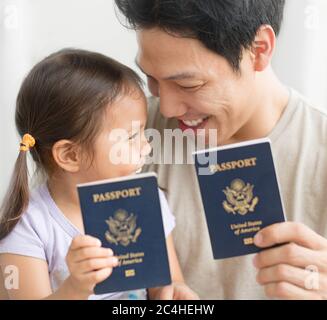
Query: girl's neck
[{"x": 64, "y": 193}]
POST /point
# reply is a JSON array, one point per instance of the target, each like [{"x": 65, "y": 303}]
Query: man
[{"x": 209, "y": 64}]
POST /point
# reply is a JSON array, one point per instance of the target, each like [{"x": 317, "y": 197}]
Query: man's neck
[{"x": 271, "y": 100}]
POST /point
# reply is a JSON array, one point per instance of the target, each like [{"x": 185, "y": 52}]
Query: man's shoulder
[
  {"x": 304, "y": 119},
  {"x": 317, "y": 113},
  {"x": 301, "y": 134}
]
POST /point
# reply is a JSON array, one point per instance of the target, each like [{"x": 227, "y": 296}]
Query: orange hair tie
[{"x": 27, "y": 142}]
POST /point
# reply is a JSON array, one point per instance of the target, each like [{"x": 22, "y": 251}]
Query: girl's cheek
[
  {"x": 146, "y": 149},
  {"x": 135, "y": 155}
]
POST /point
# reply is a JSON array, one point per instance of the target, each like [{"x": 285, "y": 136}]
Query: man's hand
[
  {"x": 175, "y": 291},
  {"x": 297, "y": 269}
]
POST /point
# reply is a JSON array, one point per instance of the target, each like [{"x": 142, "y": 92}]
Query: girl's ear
[
  {"x": 67, "y": 155},
  {"x": 263, "y": 48}
]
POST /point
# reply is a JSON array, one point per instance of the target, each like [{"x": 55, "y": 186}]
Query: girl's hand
[
  {"x": 176, "y": 291},
  {"x": 88, "y": 264}
]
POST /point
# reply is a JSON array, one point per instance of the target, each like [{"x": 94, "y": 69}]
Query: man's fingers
[
  {"x": 82, "y": 241},
  {"x": 288, "y": 291},
  {"x": 285, "y": 273},
  {"x": 289, "y": 232},
  {"x": 290, "y": 254},
  {"x": 166, "y": 293}
]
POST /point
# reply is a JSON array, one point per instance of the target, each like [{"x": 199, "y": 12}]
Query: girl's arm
[
  {"x": 87, "y": 262},
  {"x": 178, "y": 290},
  {"x": 3, "y": 291},
  {"x": 32, "y": 279}
]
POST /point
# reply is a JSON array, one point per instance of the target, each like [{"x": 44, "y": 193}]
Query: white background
[{"x": 32, "y": 29}]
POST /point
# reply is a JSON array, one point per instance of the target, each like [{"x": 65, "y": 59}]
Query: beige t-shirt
[{"x": 299, "y": 143}]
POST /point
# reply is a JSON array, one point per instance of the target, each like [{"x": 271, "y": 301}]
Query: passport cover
[
  {"x": 125, "y": 214},
  {"x": 240, "y": 195}
]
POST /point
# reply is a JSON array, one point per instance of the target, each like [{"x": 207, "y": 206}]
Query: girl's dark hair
[
  {"x": 63, "y": 97},
  {"x": 223, "y": 26}
]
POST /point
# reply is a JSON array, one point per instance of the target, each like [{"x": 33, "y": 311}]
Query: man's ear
[
  {"x": 263, "y": 47},
  {"x": 67, "y": 155}
]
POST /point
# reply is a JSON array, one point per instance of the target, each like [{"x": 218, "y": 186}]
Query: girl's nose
[{"x": 146, "y": 149}]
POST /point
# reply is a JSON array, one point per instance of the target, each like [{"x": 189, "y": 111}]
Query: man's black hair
[{"x": 223, "y": 26}]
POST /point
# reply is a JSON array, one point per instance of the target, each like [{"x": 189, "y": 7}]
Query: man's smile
[{"x": 194, "y": 124}]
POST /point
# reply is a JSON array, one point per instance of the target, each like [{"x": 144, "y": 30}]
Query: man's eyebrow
[{"x": 179, "y": 76}]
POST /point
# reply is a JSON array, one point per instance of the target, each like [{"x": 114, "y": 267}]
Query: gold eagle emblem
[
  {"x": 122, "y": 228},
  {"x": 239, "y": 198}
]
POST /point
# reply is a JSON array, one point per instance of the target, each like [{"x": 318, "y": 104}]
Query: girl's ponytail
[{"x": 17, "y": 196}]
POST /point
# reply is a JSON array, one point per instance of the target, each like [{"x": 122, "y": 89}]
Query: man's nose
[{"x": 170, "y": 105}]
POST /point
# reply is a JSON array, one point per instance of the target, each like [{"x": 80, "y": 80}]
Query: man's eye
[{"x": 191, "y": 88}]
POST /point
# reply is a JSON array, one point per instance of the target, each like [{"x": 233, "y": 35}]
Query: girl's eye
[{"x": 133, "y": 136}]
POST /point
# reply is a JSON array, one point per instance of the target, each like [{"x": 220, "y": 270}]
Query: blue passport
[
  {"x": 240, "y": 195},
  {"x": 125, "y": 214}
]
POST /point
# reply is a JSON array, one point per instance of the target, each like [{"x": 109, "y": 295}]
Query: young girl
[{"x": 66, "y": 109}]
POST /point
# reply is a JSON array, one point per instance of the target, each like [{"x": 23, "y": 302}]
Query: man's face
[{"x": 197, "y": 86}]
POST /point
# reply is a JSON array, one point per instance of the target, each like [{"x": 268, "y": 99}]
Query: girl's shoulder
[
  {"x": 31, "y": 233},
  {"x": 36, "y": 214}
]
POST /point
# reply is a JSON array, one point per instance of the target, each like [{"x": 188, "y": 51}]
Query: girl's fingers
[
  {"x": 82, "y": 241},
  {"x": 90, "y": 253},
  {"x": 90, "y": 265},
  {"x": 99, "y": 275}
]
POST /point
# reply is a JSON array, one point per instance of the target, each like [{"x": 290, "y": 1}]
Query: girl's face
[{"x": 121, "y": 147}]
